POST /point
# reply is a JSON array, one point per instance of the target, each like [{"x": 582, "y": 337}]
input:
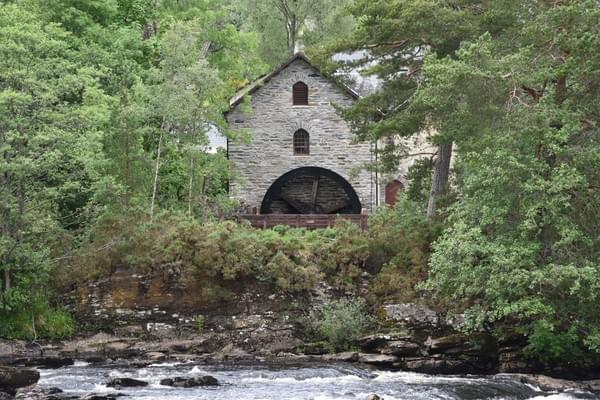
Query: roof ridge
[{"x": 257, "y": 83}]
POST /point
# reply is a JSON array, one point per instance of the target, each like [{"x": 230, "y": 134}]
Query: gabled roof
[{"x": 257, "y": 84}]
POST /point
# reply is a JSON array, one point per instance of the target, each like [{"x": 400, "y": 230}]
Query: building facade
[{"x": 300, "y": 157}]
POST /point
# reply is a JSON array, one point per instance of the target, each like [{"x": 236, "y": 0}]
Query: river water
[{"x": 320, "y": 382}]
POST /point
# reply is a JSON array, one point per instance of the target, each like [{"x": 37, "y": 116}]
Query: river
[{"x": 318, "y": 382}]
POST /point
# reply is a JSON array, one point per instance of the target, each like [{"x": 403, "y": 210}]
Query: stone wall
[{"x": 272, "y": 123}]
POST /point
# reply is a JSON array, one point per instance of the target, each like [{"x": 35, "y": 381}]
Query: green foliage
[
  {"x": 200, "y": 320},
  {"x": 36, "y": 321},
  {"x": 400, "y": 240},
  {"x": 289, "y": 259},
  {"x": 522, "y": 243},
  {"x": 340, "y": 322}
]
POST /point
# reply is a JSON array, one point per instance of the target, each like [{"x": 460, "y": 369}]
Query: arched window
[
  {"x": 301, "y": 142},
  {"x": 300, "y": 94}
]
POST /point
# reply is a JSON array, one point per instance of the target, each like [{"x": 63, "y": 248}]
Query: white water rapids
[{"x": 319, "y": 382}]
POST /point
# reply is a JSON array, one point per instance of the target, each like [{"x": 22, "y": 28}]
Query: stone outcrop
[
  {"x": 126, "y": 382},
  {"x": 183, "y": 382},
  {"x": 12, "y": 379}
]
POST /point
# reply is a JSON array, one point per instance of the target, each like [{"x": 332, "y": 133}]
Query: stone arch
[{"x": 311, "y": 190}]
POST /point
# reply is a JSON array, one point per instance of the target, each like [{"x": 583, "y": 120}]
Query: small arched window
[
  {"x": 300, "y": 94},
  {"x": 301, "y": 143}
]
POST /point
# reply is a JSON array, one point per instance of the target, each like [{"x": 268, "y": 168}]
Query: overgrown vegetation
[{"x": 339, "y": 322}]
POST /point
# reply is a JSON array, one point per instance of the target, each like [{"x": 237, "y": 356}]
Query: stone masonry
[{"x": 271, "y": 121}]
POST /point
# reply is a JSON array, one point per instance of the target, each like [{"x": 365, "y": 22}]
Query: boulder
[
  {"x": 183, "y": 382},
  {"x": 161, "y": 330},
  {"x": 441, "y": 366},
  {"x": 155, "y": 356},
  {"x": 374, "y": 397},
  {"x": 12, "y": 379},
  {"x": 230, "y": 352},
  {"x": 373, "y": 342},
  {"x": 5, "y": 396},
  {"x": 447, "y": 344},
  {"x": 401, "y": 348},
  {"x": 377, "y": 359},
  {"x": 348, "y": 356},
  {"x": 126, "y": 382},
  {"x": 47, "y": 362}
]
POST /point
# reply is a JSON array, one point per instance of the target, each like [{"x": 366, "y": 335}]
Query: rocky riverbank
[{"x": 145, "y": 319}]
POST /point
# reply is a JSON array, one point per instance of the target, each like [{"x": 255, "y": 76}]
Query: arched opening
[
  {"x": 311, "y": 190},
  {"x": 392, "y": 190},
  {"x": 301, "y": 143},
  {"x": 300, "y": 94}
]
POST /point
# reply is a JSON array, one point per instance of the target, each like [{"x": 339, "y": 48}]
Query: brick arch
[{"x": 346, "y": 203}]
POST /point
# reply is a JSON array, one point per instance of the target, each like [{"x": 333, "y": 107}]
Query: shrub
[
  {"x": 200, "y": 320},
  {"x": 401, "y": 239},
  {"x": 38, "y": 321},
  {"x": 339, "y": 322}
]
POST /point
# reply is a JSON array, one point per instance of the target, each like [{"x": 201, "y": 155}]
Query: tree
[
  {"x": 286, "y": 25},
  {"x": 53, "y": 115},
  {"x": 390, "y": 42},
  {"x": 523, "y": 242}
]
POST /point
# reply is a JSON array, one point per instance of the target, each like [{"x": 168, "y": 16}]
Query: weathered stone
[
  {"x": 12, "y": 379},
  {"x": 190, "y": 382},
  {"x": 230, "y": 352},
  {"x": 437, "y": 366},
  {"x": 412, "y": 313},
  {"x": 451, "y": 343},
  {"x": 374, "y": 397},
  {"x": 512, "y": 360},
  {"x": 373, "y": 342},
  {"x": 272, "y": 124},
  {"x": 161, "y": 330},
  {"x": 377, "y": 359},
  {"x": 48, "y": 362},
  {"x": 348, "y": 356},
  {"x": 126, "y": 382},
  {"x": 401, "y": 348},
  {"x": 5, "y": 396},
  {"x": 155, "y": 355}
]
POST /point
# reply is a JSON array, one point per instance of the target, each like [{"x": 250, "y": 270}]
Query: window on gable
[
  {"x": 300, "y": 94},
  {"x": 301, "y": 142}
]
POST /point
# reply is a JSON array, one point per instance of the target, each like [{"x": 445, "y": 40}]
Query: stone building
[{"x": 301, "y": 157}]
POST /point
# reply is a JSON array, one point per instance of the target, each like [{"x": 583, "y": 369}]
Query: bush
[
  {"x": 38, "y": 321},
  {"x": 339, "y": 322},
  {"x": 290, "y": 259},
  {"x": 401, "y": 238},
  {"x": 200, "y": 320}
]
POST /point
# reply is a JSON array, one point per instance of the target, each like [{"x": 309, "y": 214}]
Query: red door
[{"x": 391, "y": 192}]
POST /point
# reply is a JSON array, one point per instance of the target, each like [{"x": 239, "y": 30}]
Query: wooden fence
[{"x": 310, "y": 221}]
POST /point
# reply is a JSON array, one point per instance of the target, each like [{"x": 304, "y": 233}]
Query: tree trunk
[
  {"x": 7, "y": 282},
  {"x": 191, "y": 186},
  {"x": 441, "y": 172},
  {"x": 156, "y": 173}
]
